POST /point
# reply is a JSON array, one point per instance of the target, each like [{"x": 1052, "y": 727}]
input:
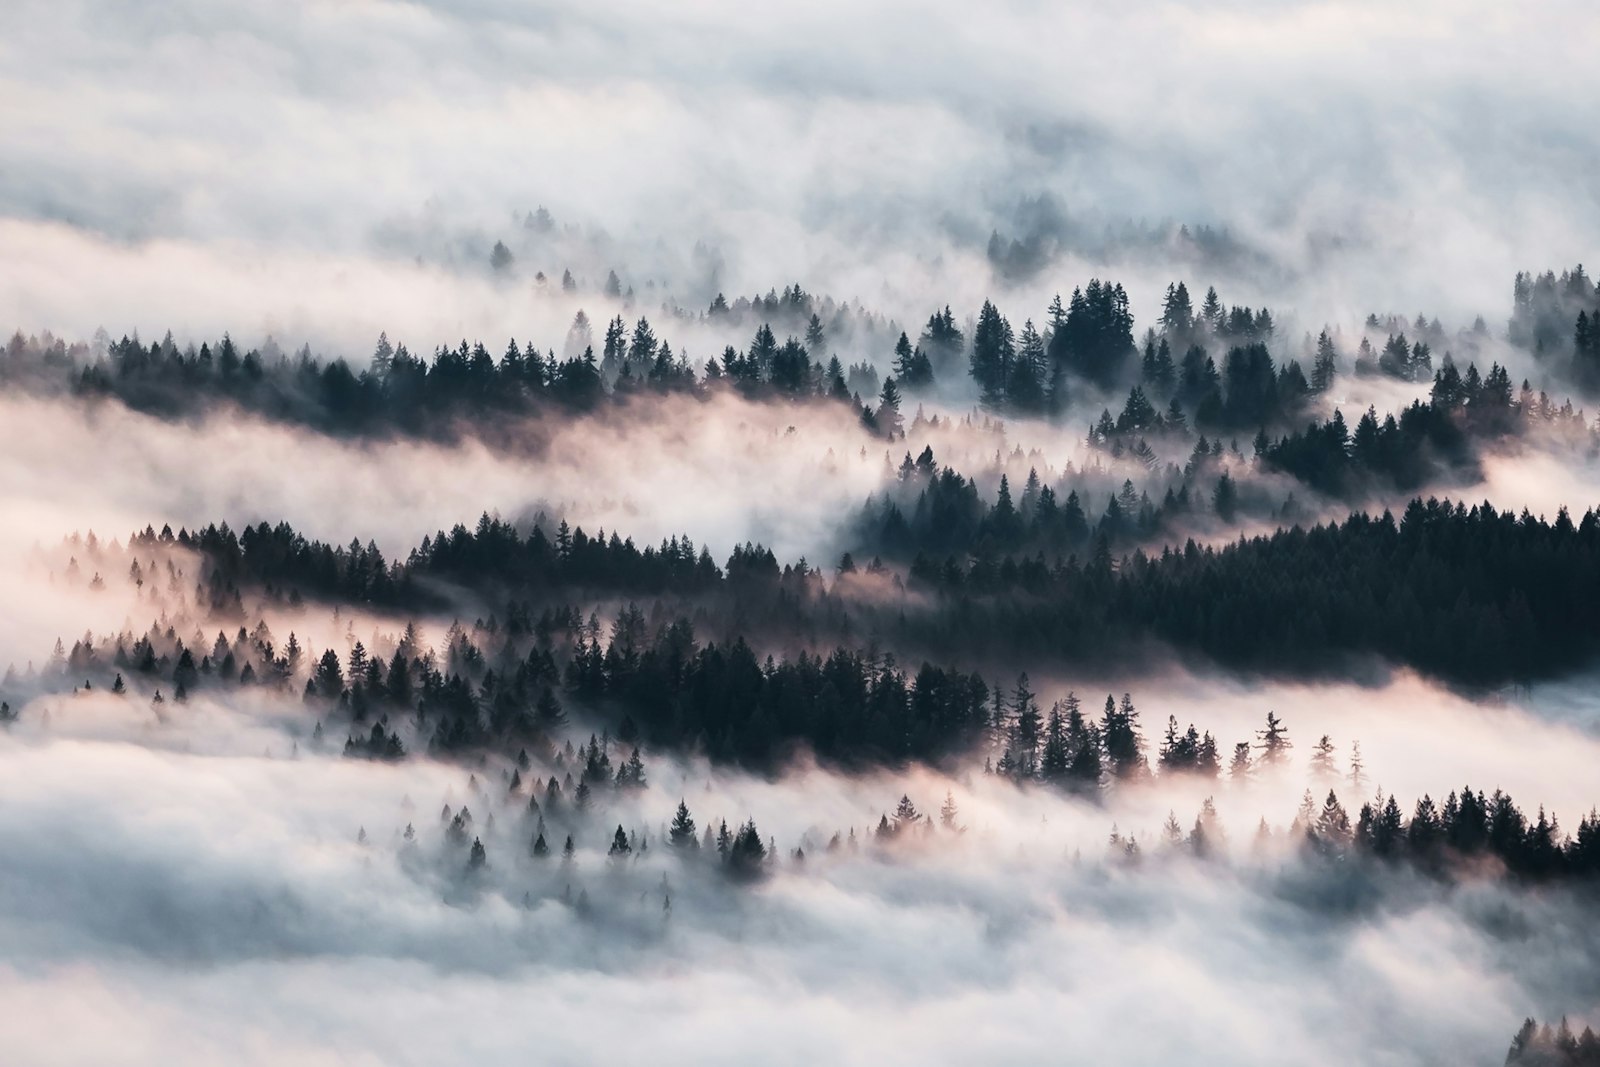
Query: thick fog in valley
[{"x": 889, "y": 534}]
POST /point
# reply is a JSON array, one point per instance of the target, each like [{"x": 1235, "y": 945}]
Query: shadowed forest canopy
[{"x": 1474, "y": 595}]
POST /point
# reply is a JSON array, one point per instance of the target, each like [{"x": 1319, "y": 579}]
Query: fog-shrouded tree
[{"x": 682, "y": 832}]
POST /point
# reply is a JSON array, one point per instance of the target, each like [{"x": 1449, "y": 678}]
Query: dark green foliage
[
  {"x": 1096, "y": 336},
  {"x": 993, "y": 354},
  {"x": 1474, "y": 595}
]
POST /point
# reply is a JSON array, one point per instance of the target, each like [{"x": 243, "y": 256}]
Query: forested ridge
[
  {"x": 1219, "y": 424},
  {"x": 1211, "y": 367},
  {"x": 1470, "y": 594}
]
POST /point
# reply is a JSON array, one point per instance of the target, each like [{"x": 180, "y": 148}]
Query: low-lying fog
[{"x": 195, "y": 888}]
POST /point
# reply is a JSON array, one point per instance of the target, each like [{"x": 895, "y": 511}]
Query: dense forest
[
  {"x": 1473, "y": 595},
  {"x": 1468, "y": 594}
]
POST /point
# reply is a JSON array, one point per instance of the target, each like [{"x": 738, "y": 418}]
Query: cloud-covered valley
[{"x": 1093, "y": 681}]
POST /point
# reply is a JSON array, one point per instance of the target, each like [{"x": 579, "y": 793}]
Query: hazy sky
[{"x": 287, "y": 166}]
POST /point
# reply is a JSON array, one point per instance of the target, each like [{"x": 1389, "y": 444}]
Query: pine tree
[
  {"x": 1025, "y": 729},
  {"x": 993, "y": 355},
  {"x": 1333, "y": 826},
  {"x": 816, "y": 336},
  {"x": 682, "y": 832},
  {"x": 1177, "y": 314},
  {"x": 747, "y": 853},
  {"x": 1212, "y": 314},
  {"x": 906, "y": 815},
  {"x": 1119, "y": 732},
  {"x": 888, "y": 413},
  {"x": 1274, "y": 743},
  {"x": 500, "y": 259},
  {"x": 903, "y": 357},
  {"x": 1225, "y": 498},
  {"x": 1056, "y": 756},
  {"x": 1085, "y": 769},
  {"x": 1025, "y": 389},
  {"x": 1322, "y": 761},
  {"x": 1324, "y": 367}
]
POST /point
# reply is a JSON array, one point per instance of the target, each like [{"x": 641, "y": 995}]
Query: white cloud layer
[
  {"x": 179, "y": 890},
  {"x": 1371, "y": 159}
]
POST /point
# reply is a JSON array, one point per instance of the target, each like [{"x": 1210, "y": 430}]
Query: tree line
[{"x": 1473, "y": 595}]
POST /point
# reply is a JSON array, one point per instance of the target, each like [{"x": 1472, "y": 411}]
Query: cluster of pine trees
[
  {"x": 934, "y": 510},
  {"x": 1089, "y": 340},
  {"x": 1067, "y": 750},
  {"x": 1540, "y": 1045},
  {"x": 495, "y": 688},
  {"x": 401, "y": 392},
  {"x": 1472, "y": 595},
  {"x": 850, "y": 709}
]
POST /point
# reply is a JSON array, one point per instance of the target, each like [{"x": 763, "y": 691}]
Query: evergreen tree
[
  {"x": 747, "y": 853},
  {"x": 1273, "y": 742},
  {"x": 1025, "y": 389},
  {"x": 1025, "y": 729},
  {"x": 888, "y": 413},
  {"x": 682, "y": 832},
  {"x": 1324, "y": 368},
  {"x": 330, "y": 675},
  {"x": 1119, "y": 732},
  {"x": 993, "y": 355},
  {"x": 500, "y": 259},
  {"x": 906, "y": 815},
  {"x": 1225, "y": 498},
  {"x": 1322, "y": 760},
  {"x": 1056, "y": 756}
]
